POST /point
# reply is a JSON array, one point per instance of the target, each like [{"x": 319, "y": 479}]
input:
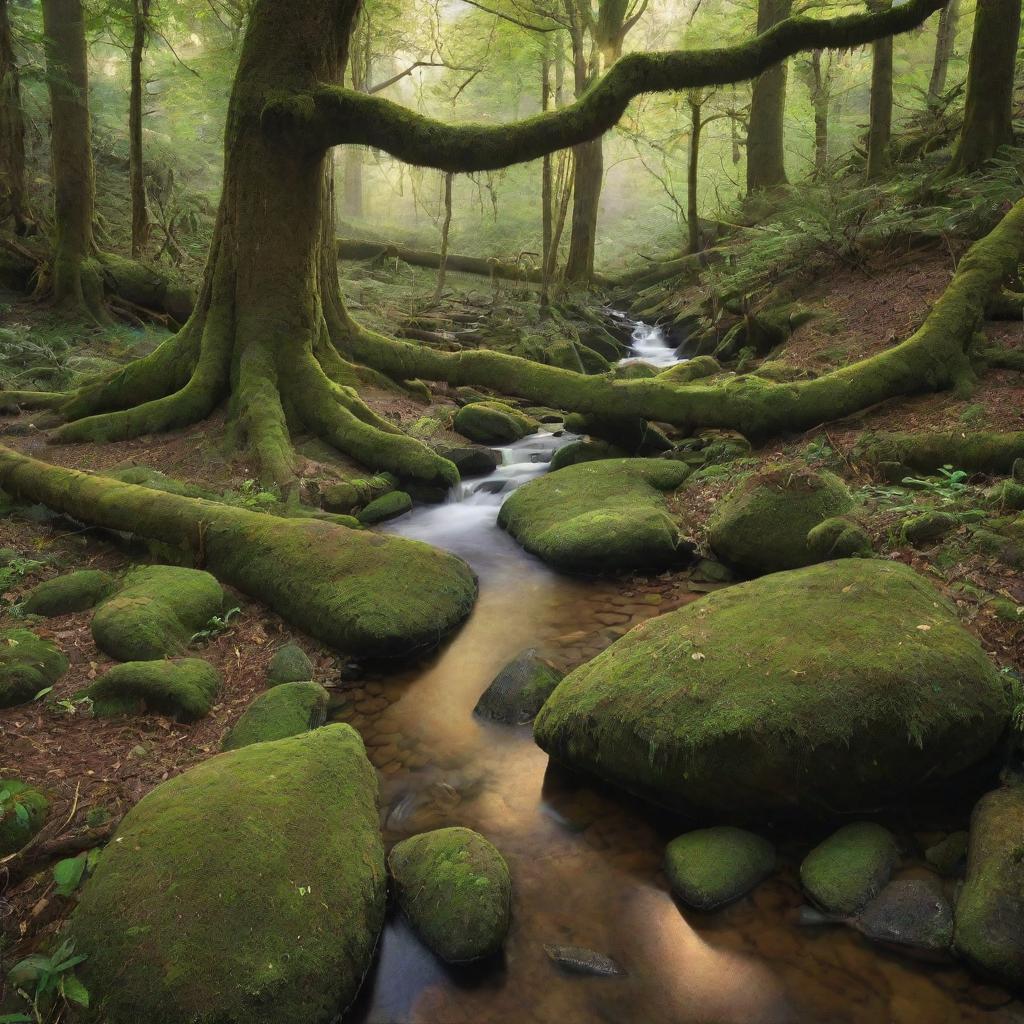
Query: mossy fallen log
[{"x": 365, "y": 593}]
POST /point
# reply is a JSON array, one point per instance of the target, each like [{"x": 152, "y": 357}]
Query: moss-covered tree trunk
[
  {"x": 136, "y": 175},
  {"x": 14, "y": 202},
  {"x": 695, "y": 102},
  {"x": 880, "y": 105},
  {"x": 766, "y": 155},
  {"x": 588, "y": 177},
  {"x": 945, "y": 40}
]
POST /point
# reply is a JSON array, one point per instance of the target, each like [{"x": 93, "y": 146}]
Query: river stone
[
  {"x": 28, "y": 664},
  {"x": 910, "y": 912},
  {"x": 248, "y": 890},
  {"x": 990, "y": 910},
  {"x": 600, "y": 516},
  {"x": 583, "y": 451},
  {"x": 493, "y": 423},
  {"x": 470, "y": 461},
  {"x": 838, "y": 537},
  {"x": 517, "y": 692},
  {"x": 290, "y": 664},
  {"x": 762, "y": 524},
  {"x": 74, "y": 592},
  {"x": 387, "y": 506},
  {"x": 826, "y": 689},
  {"x": 184, "y": 688},
  {"x": 285, "y": 710},
  {"x": 850, "y": 868},
  {"x": 633, "y": 433},
  {"x": 156, "y": 612},
  {"x": 22, "y": 813},
  {"x": 714, "y": 866},
  {"x": 455, "y": 889}
]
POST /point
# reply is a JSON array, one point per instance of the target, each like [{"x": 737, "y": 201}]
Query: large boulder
[
  {"x": 248, "y": 890},
  {"x": 600, "y": 516},
  {"x": 73, "y": 592},
  {"x": 28, "y": 664},
  {"x": 285, "y": 710},
  {"x": 830, "y": 688},
  {"x": 762, "y": 524}
]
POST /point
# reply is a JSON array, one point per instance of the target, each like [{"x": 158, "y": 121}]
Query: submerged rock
[
  {"x": 517, "y": 692},
  {"x": 927, "y": 526},
  {"x": 248, "y": 890},
  {"x": 911, "y": 913},
  {"x": 850, "y": 868},
  {"x": 454, "y": 887},
  {"x": 22, "y": 813},
  {"x": 74, "y": 592},
  {"x": 470, "y": 461},
  {"x": 286, "y": 710},
  {"x": 835, "y": 687},
  {"x": 714, "y": 866},
  {"x": 28, "y": 664},
  {"x": 290, "y": 664},
  {"x": 493, "y": 423},
  {"x": 579, "y": 960},
  {"x": 184, "y": 689}
]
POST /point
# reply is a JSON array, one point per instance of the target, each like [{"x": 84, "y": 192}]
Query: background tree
[
  {"x": 136, "y": 170},
  {"x": 14, "y": 200},
  {"x": 945, "y": 41},
  {"x": 766, "y": 155},
  {"x": 880, "y": 108}
]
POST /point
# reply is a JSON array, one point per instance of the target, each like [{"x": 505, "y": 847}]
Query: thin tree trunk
[
  {"x": 136, "y": 173},
  {"x": 880, "y": 107},
  {"x": 944, "y": 43},
  {"x": 546, "y": 198},
  {"x": 766, "y": 158},
  {"x": 821, "y": 94},
  {"x": 692, "y": 220},
  {"x": 14, "y": 202},
  {"x": 442, "y": 267},
  {"x": 352, "y": 190}
]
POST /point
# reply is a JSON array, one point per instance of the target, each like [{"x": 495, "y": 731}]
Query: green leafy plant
[
  {"x": 948, "y": 485},
  {"x": 251, "y": 495},
  {"x": 69, "y": 873},
  {"x": 9, "y": 806},
  {"x": 218, "y": 624},
  {"x": 15, "y": 571},
  {"x": 45, "y": 982}
]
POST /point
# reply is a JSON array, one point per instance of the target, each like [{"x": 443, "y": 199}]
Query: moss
[
  {"x": 518, "y": 691},
  {"x": 634, "y": 371},
  {"x": 692, "y": 369},
  {"x": 17, "y": 827},
  {"x": 74, "y": 592},
  {"x": 949, "y": 855},
  {"x": 1008, "y": 495},
  {"x": 185, "y": 689},
  {"x": 195, "y": 910},
  {"x": 286, "y": 710},
  {"x": 973, "y": 450},
  {"x": 762, "y": 525},
  {"x": 601, "y": 516},
  {"x": 714, "y": 866},
  {"x": 156, "y": 612},
  {"x": 712, "y": 448},
  {"x": 583, "y": 451},
  {"x": 290, "y": 664},
  {"x": 455, "y": 888},
  {"x": 835, "y": 687},
  {"x": 849, "y": 868},
  {"x": 352, "y": 494},
  {"x": 28, "y": 664},
  {"x": 838, "y": 537},
  {"x": 387, "y": 506},
  {"x": 927, "y": 526},
  {"x": 493, "y": 423}
]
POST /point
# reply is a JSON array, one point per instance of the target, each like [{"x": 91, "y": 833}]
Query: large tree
[
  {"x": 14, "y": 202},
  {"x": 766, "y": 153}
]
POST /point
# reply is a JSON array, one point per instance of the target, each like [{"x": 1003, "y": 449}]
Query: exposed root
[{"x": 977, "y": 452}]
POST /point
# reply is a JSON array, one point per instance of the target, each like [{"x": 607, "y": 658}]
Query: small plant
[
  {"x": 251, "y": 495},
  {"x": 9, "y": 806},
  {"x": 47, "y": 981},
  {"x": 218, "y": 624},
  {"x": 948, "y": 486},
  {"x": 15, "y": 571},
  {"x": 68, "y": 874}
]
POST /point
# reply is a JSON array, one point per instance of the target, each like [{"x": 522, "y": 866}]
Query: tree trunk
[
  {"x": 546, "y": 194},
  {"x": 692, "y": 220},
  {"x": 586, "y": 200},
  {"x": 944, "y": 43},
  {"x": 136, "y": 173},
  {"x": 988, "y": 112},
  {"x": 880, "y": 107},
  {"x": 442, "y": 265},
  {"x": 766, "y": 157},
  {"x": 821, "y": 94},
  {"x": 352, "y": 188},
  {"x": 14, "y": 201}
]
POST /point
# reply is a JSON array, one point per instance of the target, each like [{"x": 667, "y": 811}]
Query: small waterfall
[{"x": 649, "y": 345}]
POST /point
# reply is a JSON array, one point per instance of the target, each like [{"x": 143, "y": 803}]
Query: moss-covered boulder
[
  {"x": 348, "y": 495},
  {"x": 714, "y": 866},
  {"x": 248, "y": 890},
  {"x": 454, "y": 887},
  {"x": 290, "y": 664},
  {"x": 74, "y": 592},
  {"x": 185, "y": 689},
  {"x": 927, "y": 526},
  {"x": 850, "y": 868},
  {"x": 470, "y": 460},
  {"x": 762, "y": 524},
  {"x": 493, "y": 423},
  {"x": 22, "y": 813},
  {"x": 286, "y": 710},
  {"x": 28, "y": 664},
  {"x": 990, "y": 910},
  {"x": 156, "y": 612},
  {"x": 601, "y": 516},
  {"x": 829, "y": 688},
  {"x": 583, "y": 451},
  {"x": 691, "y": 369},
  {"x": 387, "y": 506},
  {"x": 838, "y": 537},
  {"x": 518, "y": 691}
]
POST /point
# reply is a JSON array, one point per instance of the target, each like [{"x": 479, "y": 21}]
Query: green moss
[
  {"x": 28, "y": 664},
  {"x": 196, "y": 909},
  {"x": 22, "y": 813},
  {"x": 927, "y": 526},
  {"x": 838, "y": 537},
  {"x": 493, "y": 423},
  {"x": 185, "y": 689},
  {"x": 599, "y": 516},
  {"x": 973, "y": 450},
  {"x": 584, "y": 451},
  {"x": 949, "y": 855},
  {"x": 517, "y": 692},
  {"x": 387, "y": 506},
  {"x": 1008, "y": 495},
  {"x": 156, "y": 612},
  {"x": 349, "y": 495},
  {"x": 850, "y": 868},
  {"x": 762, "y": 525},
  {"x": 455, "y": 888},
  {"x": 714, "y": 866},
  {"x": 74, "y": 592},
  {"x": 692, "y": 369},
  {"x": 290, "y": 664},
  {"x": 810, "y": 690},
  {"x": 286, "y": 710}
]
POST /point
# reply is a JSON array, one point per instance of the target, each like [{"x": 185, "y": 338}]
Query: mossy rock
[
  {"x": 286, "y": 710},
  {"x": 470, "y": 461},
  {"x": 22, "y": 813},
  {"x": 850, "y": 868},
  {"x": 838, "y": 537},
  {"x": 583, "y": 451},
  {"x": 714, "y": 866},
  {"x": 455, "y": 889},
  {"x": 74, "y": 592},
  {"x": 518, "y": 691},
  {"x": 806, "y": 692},
  {"x": 601, "y": 516},
  {"x": 910, "y": 913},
  {"x": 28, "y": 664},
  {"x": 493, "y": 423},
  {"x": 387, "y": 506},
  {"x": 634, "y": 371},
  {"x": 949, "y": 855},
  {"x": 1008, "y": 495},
  {"x": 633, "y": 434},
  {"x": 762, "y": 524},
  {"x": 185, "y": 689},
  {"x": 156, "y": 612},
  {"x": 348, "y": 495},
  {"x": 927, "y": 526},
  {"x": 990, "y": 910},
  {"x": 692, "y": 369},
  {"x": 576, "y": 357},
  {"x": 290, "y": 664},
  {"x": 213, "y": 906}
]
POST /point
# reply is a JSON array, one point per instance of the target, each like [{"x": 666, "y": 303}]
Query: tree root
[
  {"x": 974, "y": 452},
  {"x": 1006, "y": 306}
]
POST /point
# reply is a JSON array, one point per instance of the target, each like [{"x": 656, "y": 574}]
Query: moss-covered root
[
  {"x": 212, "y": 905},
  {"x": 365, "y": 593},
  {"x": 185, "y": 689},
  {"x": 22, "y": 813},
  {"x": 455, "y": 888},
  {"x": 28, "y": 664},
  {"x": 74, "y": 592},
  {"x": 1006, "y": 305},
  {"x": 975, "y": 451},
  {"x": 285, "y": 710},
  {"x": 711, "y": 867}
]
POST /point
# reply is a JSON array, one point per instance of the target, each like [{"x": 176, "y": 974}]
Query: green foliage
[
  {"x": 949, "y": 485},
  {"x": 47, "y": 982},
  {"x": 217, "y": 625},
  {"x": 15, "y": 571}
]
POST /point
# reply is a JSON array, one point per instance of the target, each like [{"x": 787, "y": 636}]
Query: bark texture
[
  {"x": 136, "y": 174},
  {"x": 945, "y": 41},
  {"x": 14, "y": 201},
  {"x": 766, "y": 154},
  {"x": 880, "y": 107}
]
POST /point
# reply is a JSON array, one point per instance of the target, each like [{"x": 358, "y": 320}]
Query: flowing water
[
  {"x": 585, "y": 862},
  {"x": 648, "y": 344}
]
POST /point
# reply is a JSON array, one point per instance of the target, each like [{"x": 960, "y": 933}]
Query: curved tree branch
[{"x": 331, "y": 115}]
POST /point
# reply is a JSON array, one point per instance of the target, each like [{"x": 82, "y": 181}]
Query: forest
[{"x": 511, "y": 511}]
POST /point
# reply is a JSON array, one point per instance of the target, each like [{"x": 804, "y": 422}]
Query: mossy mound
[
  {"x": 156, "y": 612},
  {"x": 714, "y": 866},
  {"x": 831, "y": 688},
  {"x": 387, "y": 506},
  {"x": 184, "y": 689},
  {"x": 287, "y": 710},
  {"x": 213, "y": 906},
  {"x": 927, "y": 526},
  {"x": 28, "y": 664},
  {"x": 348, "y": 495},
  {"x": 74, "y": 592},
  {"x": 990, "y": 910},
  {"x": 518, "y": 691},
  {"x": 850, "y": 868},
  {"x": 601, "y": 516},
  {"x": 455, "y": 888},
  {"x": 838, "y": 537},
  {"x": 762, "y": 524},
  {"x": 493, "y": 423},
  {"x": 583, "y": 451},
  {"x": 22, "y": 813},
  {"x": 692, "y": 369},
  {"x": 290, "y": 664}
]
